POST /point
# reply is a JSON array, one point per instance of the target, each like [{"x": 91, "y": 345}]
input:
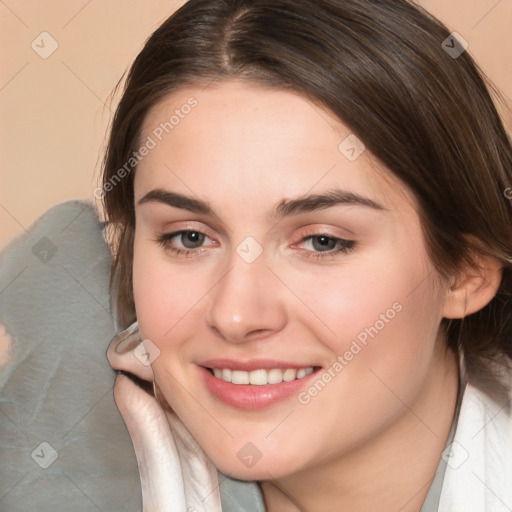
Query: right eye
[{"x": 183, "y": 241}]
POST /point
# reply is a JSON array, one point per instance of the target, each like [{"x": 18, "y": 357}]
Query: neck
[{"x": 392, "y": 471}]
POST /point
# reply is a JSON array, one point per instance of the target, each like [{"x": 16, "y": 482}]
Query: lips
[{"x": 254, "y": 384}]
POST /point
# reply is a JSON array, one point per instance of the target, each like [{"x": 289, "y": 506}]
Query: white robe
[{"x": 478, "y": 477}]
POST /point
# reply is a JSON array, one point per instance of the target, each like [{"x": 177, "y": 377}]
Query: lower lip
[{"x": 250, "y": 396}]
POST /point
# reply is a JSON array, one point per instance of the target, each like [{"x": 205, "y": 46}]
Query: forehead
[{"x": 245, "y": 142}]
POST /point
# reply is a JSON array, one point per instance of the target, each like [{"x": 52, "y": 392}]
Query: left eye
[{"x": 328, "y": 244}]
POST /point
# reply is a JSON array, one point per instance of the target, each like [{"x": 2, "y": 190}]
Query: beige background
[{"x": 54, "y": 111}]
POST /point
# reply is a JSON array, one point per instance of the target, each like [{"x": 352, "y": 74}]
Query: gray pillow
[{"x": 63, "y": 443}]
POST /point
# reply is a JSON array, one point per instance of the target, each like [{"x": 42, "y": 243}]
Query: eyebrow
[
  {"x": 296, "y": 206},
  {"x": 159, "y": 195},
  {"x": 314, "y": 202}
]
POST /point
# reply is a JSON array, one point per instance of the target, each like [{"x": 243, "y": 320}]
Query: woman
[{"x": 313, "y": 241}]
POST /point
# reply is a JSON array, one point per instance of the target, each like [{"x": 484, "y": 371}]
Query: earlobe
[
  {"x": 472, "y": 289},
  {"x": 125, "y": 353}
]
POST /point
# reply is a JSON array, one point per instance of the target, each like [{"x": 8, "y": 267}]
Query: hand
[{"x": 175, "y": 473}]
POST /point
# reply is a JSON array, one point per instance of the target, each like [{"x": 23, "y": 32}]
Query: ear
[
  {"x": 129, "y": 353},
  {"x": 473, "y": 288}
]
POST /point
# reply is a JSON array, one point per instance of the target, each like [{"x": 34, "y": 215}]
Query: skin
[{"x": 372, "y": 438}]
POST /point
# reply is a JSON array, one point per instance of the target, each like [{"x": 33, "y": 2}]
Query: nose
[{"x": 247, "y": 302}]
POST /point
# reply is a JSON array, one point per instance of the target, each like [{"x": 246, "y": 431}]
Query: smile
[{"x": 254, "y": 384}]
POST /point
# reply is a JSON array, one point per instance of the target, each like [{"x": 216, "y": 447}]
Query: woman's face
[{"x": 270, "y": 246}]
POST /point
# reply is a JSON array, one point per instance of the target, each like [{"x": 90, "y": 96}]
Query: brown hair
[{"x": 382, "y": 67}]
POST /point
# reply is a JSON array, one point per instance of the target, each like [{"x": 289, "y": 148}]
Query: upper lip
[{"x": 252, "y": 364}]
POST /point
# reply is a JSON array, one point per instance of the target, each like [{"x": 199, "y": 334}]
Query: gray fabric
[
  {"x": 239, "y": 496},
  {"x": 431, "y": 503},
  {"x": 57, "y": 389}
]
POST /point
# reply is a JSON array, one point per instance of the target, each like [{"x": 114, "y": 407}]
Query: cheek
[
  {"x": 379, "y": 316},
  {"x": 382, "y": 349},
  {"x": 385, "y": 318},
  {"x": 367, "y": 297},
  {"x": 148, "y": 288},
  {"x": 167, "y": 299}
]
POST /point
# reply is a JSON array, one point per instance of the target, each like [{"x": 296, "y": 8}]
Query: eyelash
[{"x": 344, "y": 246}]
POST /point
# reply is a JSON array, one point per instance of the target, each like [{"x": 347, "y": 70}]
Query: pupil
[
  {"x": 323, "y": 243},
  {"x": 191, "y": 239}
]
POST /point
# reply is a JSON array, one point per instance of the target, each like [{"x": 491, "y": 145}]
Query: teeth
[
  {"x": 274, "y": 376},
  {"x": 289, "y": 375},
  {"x": 239, "y": 377},
  {"x": 261, "y": 377},
  {"x": 258, "y": 377}
]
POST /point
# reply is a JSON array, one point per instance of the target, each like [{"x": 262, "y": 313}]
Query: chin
[
  {"x": 248, "y": 465},
  {"x": 256, "y": 473}
]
